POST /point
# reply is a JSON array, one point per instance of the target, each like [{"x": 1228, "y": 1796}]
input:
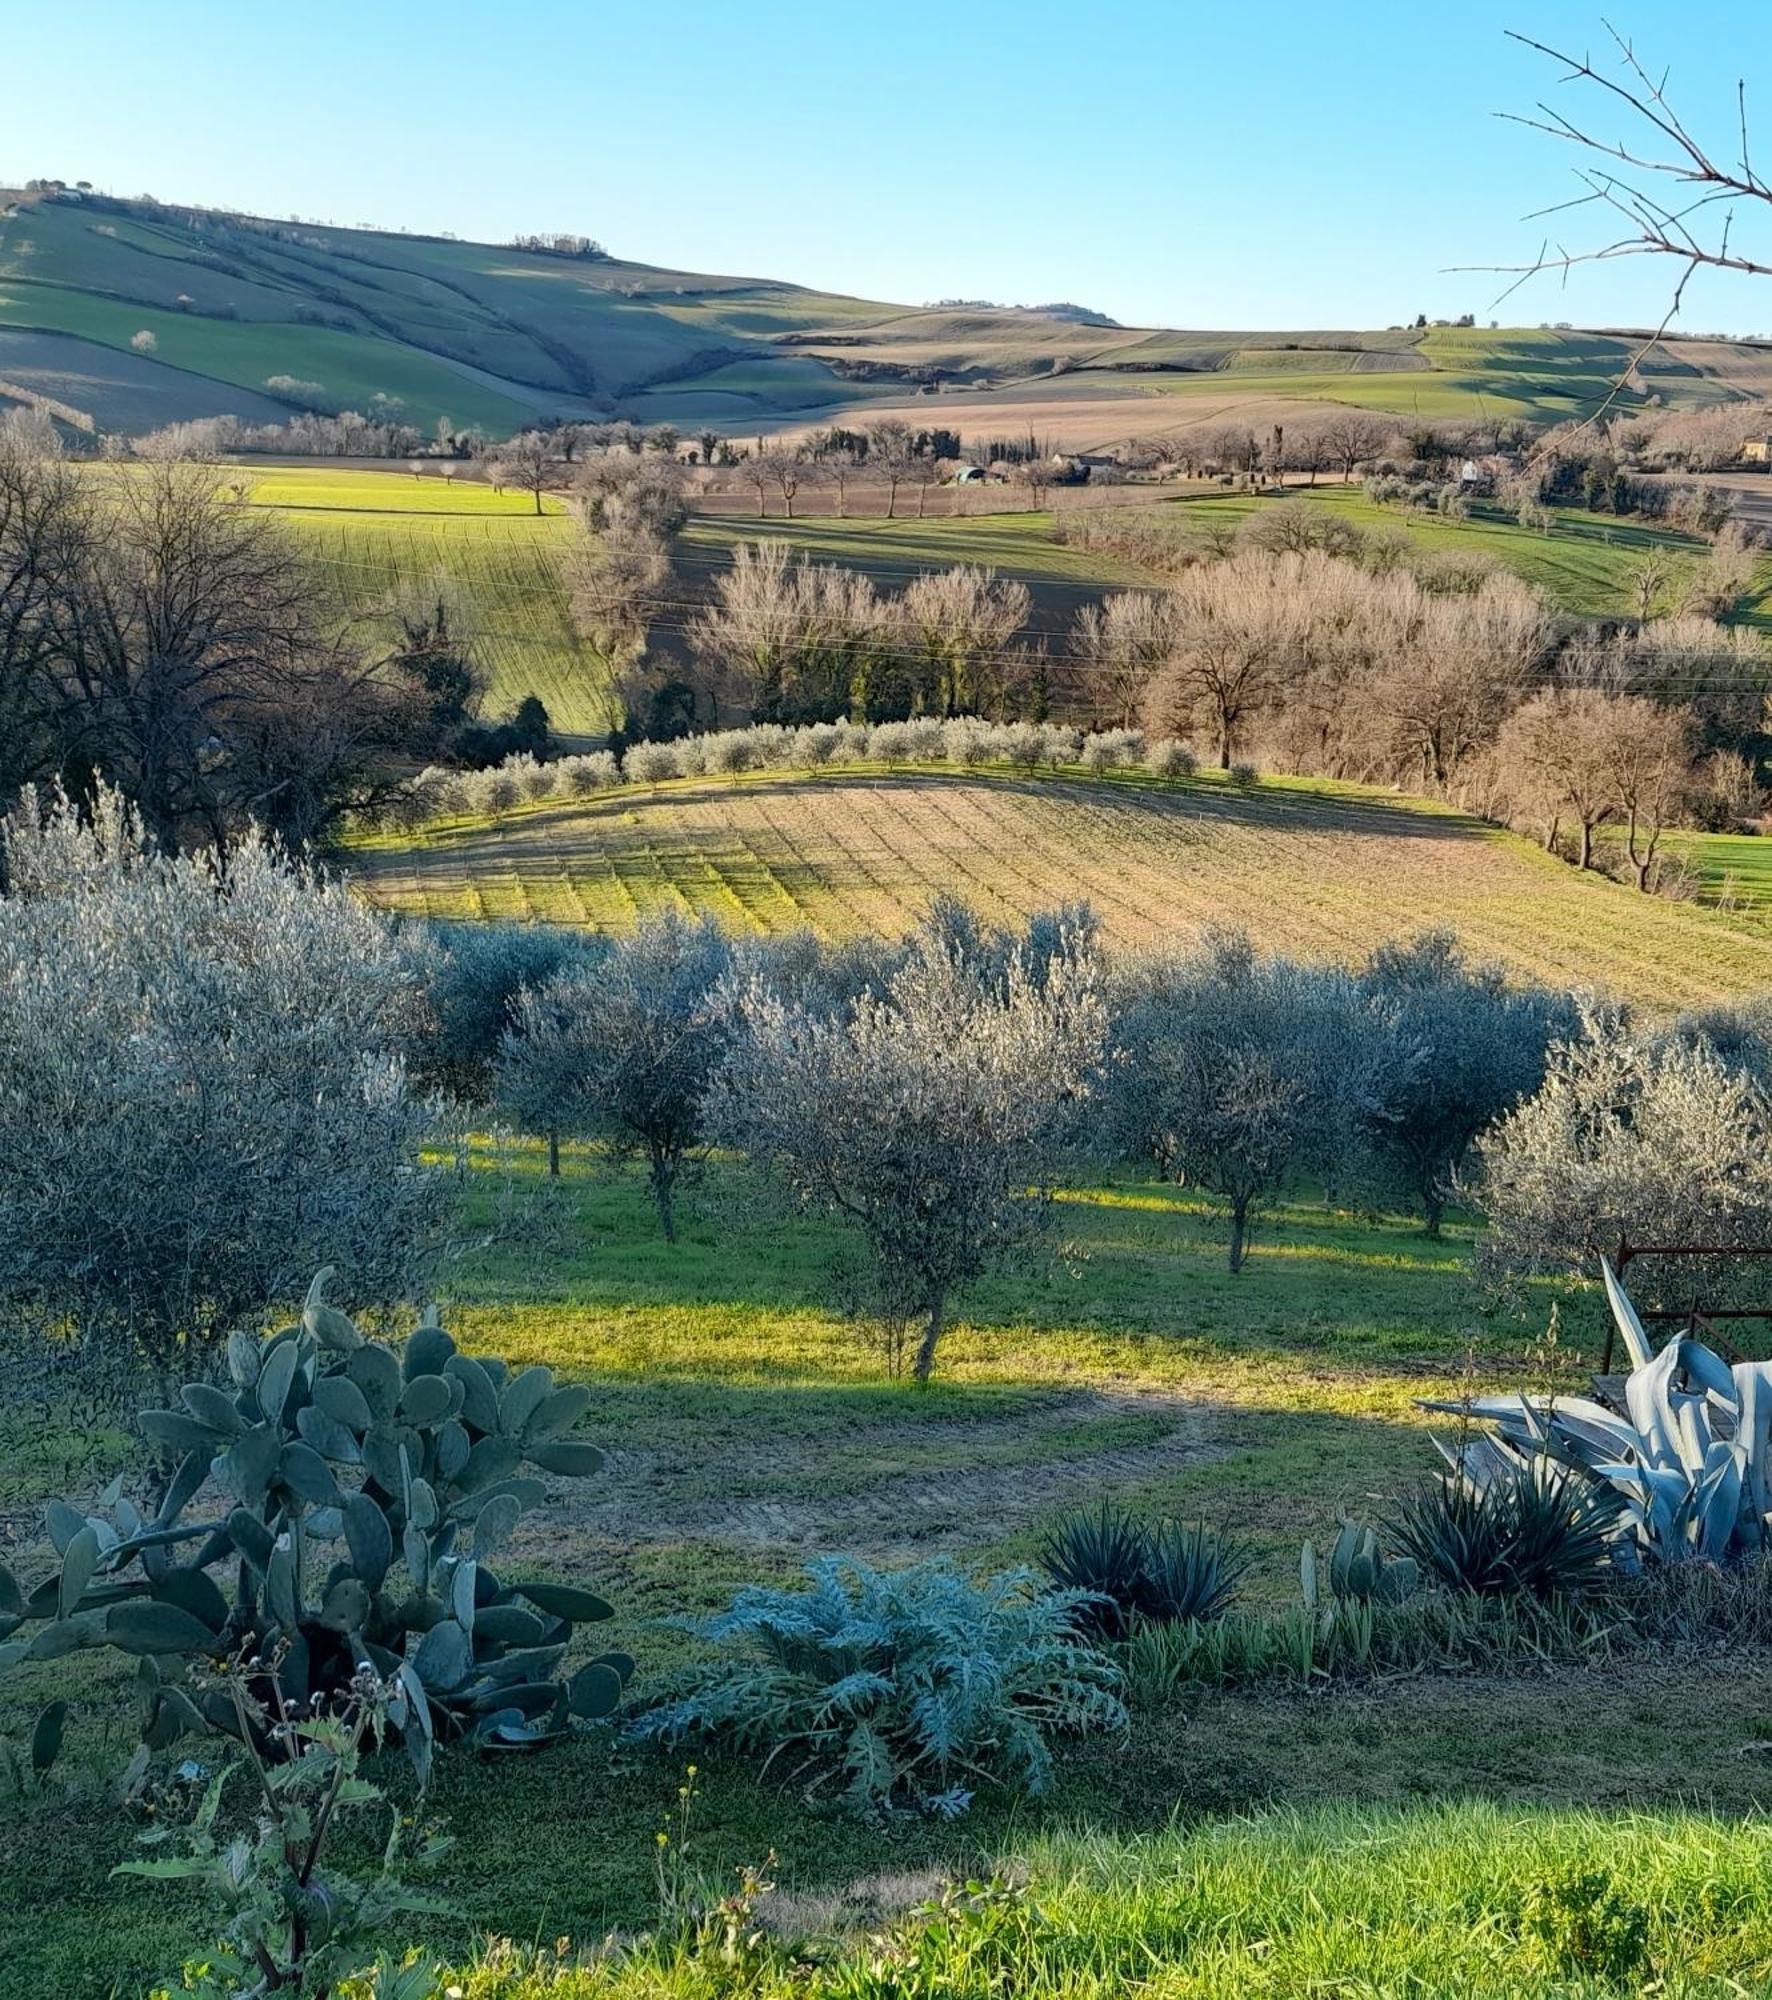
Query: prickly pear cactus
[{"x": 356, "y": 1498}]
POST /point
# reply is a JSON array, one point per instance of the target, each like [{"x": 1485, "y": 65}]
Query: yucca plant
[
  {"x": 1190, "y": 1572},
  {"x": 1101, "y": 1555},
  {"x": 1533, "y": 1530},
  {"x": 1127, "y": 1571}
]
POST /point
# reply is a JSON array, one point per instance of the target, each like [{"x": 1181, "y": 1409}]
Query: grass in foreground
[{"x": 1469, "y": 1899}]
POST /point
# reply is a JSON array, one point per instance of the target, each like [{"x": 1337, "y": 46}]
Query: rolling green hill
[{"x": 131, "y": 314}]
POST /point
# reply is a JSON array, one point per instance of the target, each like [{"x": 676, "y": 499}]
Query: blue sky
[{"x": 1280, "y": 163}]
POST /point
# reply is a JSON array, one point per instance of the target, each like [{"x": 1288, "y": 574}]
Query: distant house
[
  {"x": 969, "y": 475},
  {"x": 1477, "y": 476},
  {"x": 1756, "y": 451}
]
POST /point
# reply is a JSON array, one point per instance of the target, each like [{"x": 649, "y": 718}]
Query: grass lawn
[{"x": 748, "y": 1429}]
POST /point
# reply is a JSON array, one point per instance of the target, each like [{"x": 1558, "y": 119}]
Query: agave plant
[
  {"x": 1691, "y": 1464},
  {"x": 1126, "y": 1570},
  {"x": 361, "y": 1496}
]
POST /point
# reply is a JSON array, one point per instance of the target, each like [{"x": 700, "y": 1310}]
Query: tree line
[{"x": 259, "y": 1063}]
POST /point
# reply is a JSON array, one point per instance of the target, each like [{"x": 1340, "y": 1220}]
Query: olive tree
[
  {"x": 1463, "y": 1048},
  {"x": 1239, "y": 1072},
  {"x": 623, "y": 1047},
  {"x": 200, "y": 1086},
  {"x": 932, "y": 1116},
  {"x": 1633, "y": 1138},
  {"x": 468, "y": 975}
]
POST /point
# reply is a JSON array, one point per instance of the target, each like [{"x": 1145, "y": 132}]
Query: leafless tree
[
  {"x": 923, "y": 472},
  {"x": 1559, "y": 746},
  {"x": 890, "y": 455},
  {"x": 958, "y": 624},
  {"x": 782, "y": 466},
  {"x": 1118, "y": 648},
  {"x": 531, "y": 462},
  {"x": 1350, "y": 439},
  {"x": 45, "y": 546},
  {"x": 1650, "y": 747}
]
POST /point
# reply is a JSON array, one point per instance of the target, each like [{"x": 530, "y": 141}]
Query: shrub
[
  {"x": 820, "y": 742},
  {"x": 1171, "y": 758},
  {"x": 493, "y": 792},
  {"x": 904, "y": 1684},
  {"x": 1586, "y": 1923},
  {"x": 967, "y": 741},
  {"x": 892, "y": 743},
  {"x": 368, "y": 1492},
  {"x": 648, "y": 763},
  {"x": 1534, "y": 1530},
  {"x": 594, "y": 771},
  {"x": 226, "y": 1098},
  {"x": 1126, "y": 1571},
  {"x": 1244, "y": 775},
  {"x": 468, "y": 975}
]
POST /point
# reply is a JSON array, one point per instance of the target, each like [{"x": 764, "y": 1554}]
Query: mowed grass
[
  {"x": 1326, "y": 870},
  {"x": 749, "y": 1429}
]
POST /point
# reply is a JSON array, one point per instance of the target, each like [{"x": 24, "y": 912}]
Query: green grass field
[
  {"x": 386, "y": 538},
  {"x": 1311, "y": 867},
  {"x": 491, "y": 336},
  {"x": 748, "y": 1430},
  {"x": 1583, "y": 564}
]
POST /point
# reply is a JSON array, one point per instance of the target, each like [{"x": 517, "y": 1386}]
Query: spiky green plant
[
  {"x": 1689, "y": 1468},
  {"x": 364, "y": 1493},
  {"x": 1128, "y": 1570},
  {"x": 1531, "y": 1530}
]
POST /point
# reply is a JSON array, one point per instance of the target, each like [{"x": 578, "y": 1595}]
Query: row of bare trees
[
  {"x": 1475, "y": 695},
  {"x": 792, "y": 640}
]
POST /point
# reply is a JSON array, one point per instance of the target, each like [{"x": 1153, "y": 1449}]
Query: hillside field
[
  {"x": 385, "y": 535},
  {"x": 489, "y": 336},
  {"x": 1323, "y": 870}
]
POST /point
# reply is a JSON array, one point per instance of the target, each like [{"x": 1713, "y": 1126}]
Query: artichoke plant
[
  {"x": 360, "y": 1497},
  {"x": 1690, "y": 1465}
]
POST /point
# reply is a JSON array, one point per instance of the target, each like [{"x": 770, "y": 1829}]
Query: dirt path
[{"x": 960, "y": 1482}]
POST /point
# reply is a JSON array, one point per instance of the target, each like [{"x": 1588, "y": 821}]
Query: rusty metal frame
[{"x": 1693, "y": 1315}]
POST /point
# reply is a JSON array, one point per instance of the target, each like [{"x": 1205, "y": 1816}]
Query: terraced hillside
[
  {"x": 1323, "y": 870},
  {"x": 123, "y": 315}
]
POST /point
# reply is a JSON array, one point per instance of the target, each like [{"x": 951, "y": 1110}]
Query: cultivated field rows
[{"x": 1323, "y": 871}]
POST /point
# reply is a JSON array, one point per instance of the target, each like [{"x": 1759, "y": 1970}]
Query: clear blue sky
[{"x": 1269, "y": 163}]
